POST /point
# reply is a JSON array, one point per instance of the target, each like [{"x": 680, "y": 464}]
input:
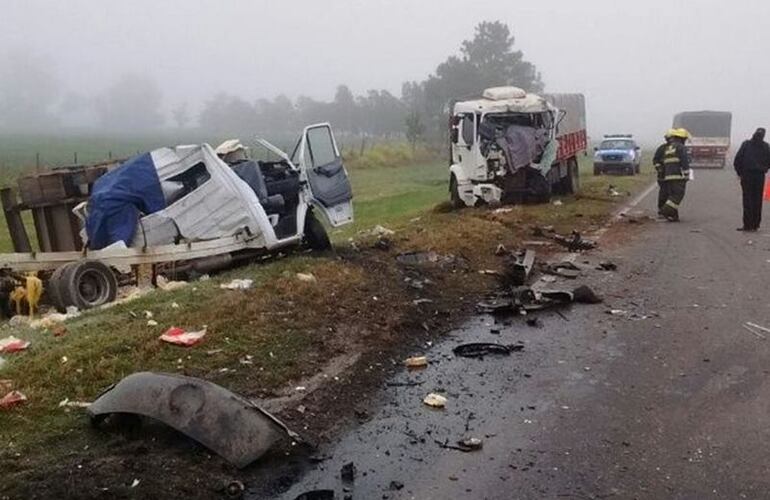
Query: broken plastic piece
[
  {"x": 435, "y": 400},
  {"x": 237, "y": 284},
  {"x": 13, "y": 398},
  {"x": 480, "y": 349},
  {"x": 179, "y": 336},
  {"x": 471, "y": 443},
  {"x": 12, "y": 344},
  {"x": 416, "y": 362},
  {"x": 306, "y": 277},
  {"x": 231, "y": 426}
]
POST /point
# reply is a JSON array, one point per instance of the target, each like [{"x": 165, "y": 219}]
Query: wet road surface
[{"x": 667, "y": 398}]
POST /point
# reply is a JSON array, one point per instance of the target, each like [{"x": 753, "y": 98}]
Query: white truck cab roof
[{"x": 504, "y": 100}]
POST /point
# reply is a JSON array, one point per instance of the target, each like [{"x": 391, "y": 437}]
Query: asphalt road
[{"x": 667, "y": 398}]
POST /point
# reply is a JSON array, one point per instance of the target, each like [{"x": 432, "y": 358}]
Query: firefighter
[
  {"x": 657, "y": 161},
  {"x": 676, "y": 173}
]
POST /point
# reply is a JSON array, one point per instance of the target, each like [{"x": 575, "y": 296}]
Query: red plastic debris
[
  {"x": 13, "y": 398},
  {"x": 12, "y": 344},
  {"x": 179, "y": 336}
]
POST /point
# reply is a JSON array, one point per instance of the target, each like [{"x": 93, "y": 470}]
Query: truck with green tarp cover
[{"x": 709, "y": 136}]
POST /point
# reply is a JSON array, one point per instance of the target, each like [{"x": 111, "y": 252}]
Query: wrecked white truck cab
[
  {"x": 510, "y": 146},
  {"x": 180, "y": 211}
]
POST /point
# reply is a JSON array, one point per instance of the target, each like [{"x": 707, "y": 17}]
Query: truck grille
[{"x": 612, "y": 157}]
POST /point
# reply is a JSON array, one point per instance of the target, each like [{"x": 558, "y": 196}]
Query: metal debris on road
[
  {"x": 481, "y": 349},
  {"x": 416, "y": 362},
  {"x": 607, "y": 266},
  {"x": 435, "y": 400},
  {"x": 756, "y": 329},
  {"x": 585, "y": 295},
  {"x": 520, "y": 268},
  {"x": 348, "y": 472},
  {"x": 574, "y": 242}
]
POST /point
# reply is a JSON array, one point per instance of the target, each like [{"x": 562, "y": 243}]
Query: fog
[{"x": 638, "y": 63}]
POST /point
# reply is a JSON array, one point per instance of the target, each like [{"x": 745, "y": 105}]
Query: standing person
[
  {"x": 676, "y": 173},
  {"x": 657, "y": 161},
  {"x": 751, "y": 164}
]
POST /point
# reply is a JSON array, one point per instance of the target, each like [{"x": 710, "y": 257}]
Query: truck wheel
[
  {"x": 315, "y": 235},
  {"x": 454, "y": 193},
  {"x": 84, "y": 284}
]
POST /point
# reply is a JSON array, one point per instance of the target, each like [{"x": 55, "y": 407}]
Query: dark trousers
[
  {"x": 662, "y": 194},
  {"x": 753, "y": 186},
  {"x": 675, "y": 195}
]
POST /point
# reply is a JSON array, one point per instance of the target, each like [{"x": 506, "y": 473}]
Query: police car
[{"x": 617, "y": 153}]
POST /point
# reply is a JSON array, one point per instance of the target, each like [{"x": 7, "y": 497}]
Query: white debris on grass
[
  {"x": 237, "y": 284},
  {"x": 306, "y": 278},
  {"x": 435, "y": 400},
  {"x": 152, "y": 322},
  {"x": 169, "y": 286},
  {"x": 66, "y": 403}
]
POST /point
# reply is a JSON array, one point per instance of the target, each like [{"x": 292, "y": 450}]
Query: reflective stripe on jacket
[{"x": 676, "y": 166}]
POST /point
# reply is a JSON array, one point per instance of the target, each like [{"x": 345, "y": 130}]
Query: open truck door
[{"x": 317, "y": 156}]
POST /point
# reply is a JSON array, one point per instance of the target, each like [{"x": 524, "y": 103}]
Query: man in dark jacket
[{"x": 751, "y": 164}]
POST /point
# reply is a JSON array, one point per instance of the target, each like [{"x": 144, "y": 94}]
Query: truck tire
[
  {"x": 315, "y": 235},
  {"x": 54, "y": 286},
  {"x": 454, "y": 193},
  {"x": 84, "y": 284}
]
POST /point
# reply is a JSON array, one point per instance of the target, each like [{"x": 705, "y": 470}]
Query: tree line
[{"x": 29, "y": 98}]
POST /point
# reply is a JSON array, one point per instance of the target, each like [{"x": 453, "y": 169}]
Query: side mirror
[{"x": 596, "y": 148}]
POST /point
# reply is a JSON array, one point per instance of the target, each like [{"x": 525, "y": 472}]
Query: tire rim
[{"x": 93, "y": 288}]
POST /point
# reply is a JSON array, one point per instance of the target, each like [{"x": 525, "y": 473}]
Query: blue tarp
[{"x": 119, "y": 198}]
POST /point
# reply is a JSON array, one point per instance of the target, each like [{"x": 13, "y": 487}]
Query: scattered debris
[
  {"x": 416, "y": 362},
  {"x": 500, "y": 251},
  {"x": 237, "y": 284},
  {"x": 557, "y": 203},
  {"x": 416, "y": 258},
  {"x": 607, "y": 266},
  {"x": 196, "y": 408},
  {"x": 152, "y": 322},
  {"x": 585, "y": 295},
  {"x": 756, "y": 329},
  {"x": 12, "y": 344},
  {"x": 235, "y": 489},
  {"x": 396, "y": 486},
  {"x": 379, "y": 230},
  {"x": 518, "y": 271},
  {"x": 419, "y": 302},
  {"x": 503, "y": 210},
  {"x": 348, "y": 472},
  {"x": 563, "y": 269},
  {"x": 179, "y": 336},
  {"x": 533, "y": 322},
  {"x": 466, "y": 445},
  {"x": 574, "y": 242},
  {"x": 12, "y": 399},
  {"x": 435, "y": 400},
  {"x": 66, "y": 403},
  {"x": 317, "y": 495},
  {"x": 481, "y": 349},
  {"x": 471, "y": 443},
  {"x": 307, "y": 278},
  {"x": 169, "y": 286}
]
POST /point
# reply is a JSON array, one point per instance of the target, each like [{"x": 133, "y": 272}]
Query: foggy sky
[{"x": 637, "y": 62}]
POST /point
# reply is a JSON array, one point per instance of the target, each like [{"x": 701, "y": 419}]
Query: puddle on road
[{"x": 398, "y": 445}]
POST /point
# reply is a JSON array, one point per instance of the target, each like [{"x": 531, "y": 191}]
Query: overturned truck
[
  {"x": 510, "y": 146},
  {"x": 174, "y": 212}
]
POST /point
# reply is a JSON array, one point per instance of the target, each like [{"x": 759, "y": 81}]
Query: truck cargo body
[{"x": 709, "y": 142}]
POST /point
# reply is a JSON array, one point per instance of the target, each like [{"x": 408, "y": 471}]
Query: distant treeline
[{"x": 30, "y": 99}]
